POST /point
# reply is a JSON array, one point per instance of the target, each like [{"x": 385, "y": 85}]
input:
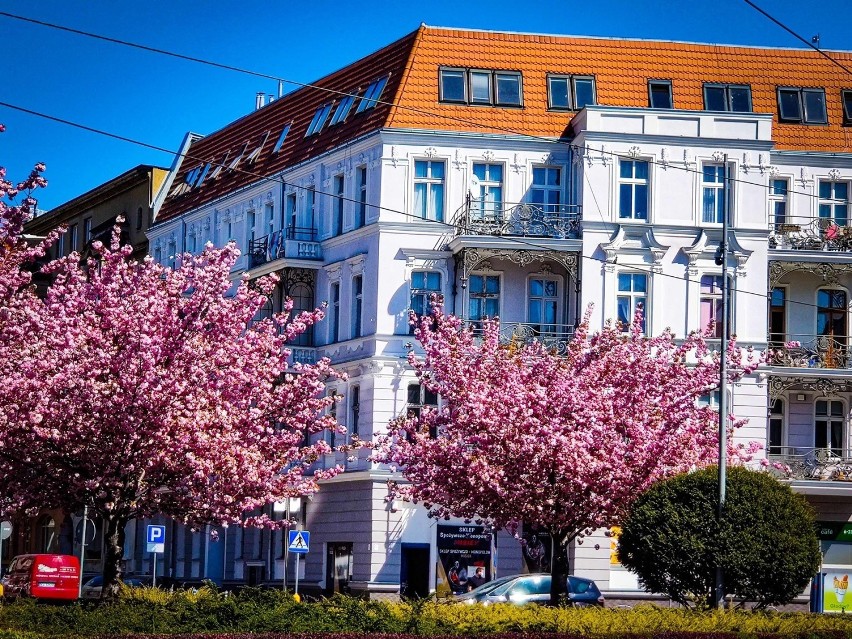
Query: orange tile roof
[{"x": 621, "y": 68}]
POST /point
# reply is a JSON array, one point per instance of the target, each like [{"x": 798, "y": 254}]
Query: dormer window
[
  {"x": 570, "y": 92},
  {"x": 727, "y": 97},
  {"x": 846, "y": 97},
  {"x": 481, "y": 86},
  {"x": 805, "y": 106},
  {"x": 660, "y": 94}
]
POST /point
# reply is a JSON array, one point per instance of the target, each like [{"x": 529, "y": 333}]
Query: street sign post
[
  {"x": 156, "y": 542},
  {"x": 299, "y": 542},
  {"x": 5, "y": 533}
]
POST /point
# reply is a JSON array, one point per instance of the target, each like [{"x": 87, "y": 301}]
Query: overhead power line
[
  {"x": 447, "y": 226},
  {"x": 338, "y": 93}
]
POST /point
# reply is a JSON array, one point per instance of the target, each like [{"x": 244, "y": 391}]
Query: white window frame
[
  {"x": 357, "y": 317},
  {"x": 718, "y": 297},
  {"x": 633, "y": 182},
  {"x": 334, "y": 312},
  {"x": 833, "y": 202},
  {"x": 547, "y": 189},
  {"x": 486, "y": 186},
  {"x": 430, "y": 182},
  {"x": 719, "y": 188},
  {"x": 633, "y": 297},
  {"x": 361, "y": 210},
  {"x": 558, "y": 298},
  {"x": 844, "y": 420},
  {"x": 775, "y": 199},
  {"x": 470, "y": 295},
  {"x": 424, "y": 292},
  {"x": 339, "y": 181},
  {"x": 774, "y": 414}
]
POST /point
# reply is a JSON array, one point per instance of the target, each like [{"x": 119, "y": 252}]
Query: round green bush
[{"x": 766, "y": 542}]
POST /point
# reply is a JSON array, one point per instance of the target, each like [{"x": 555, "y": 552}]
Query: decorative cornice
[
  {"x": 636, "y": 240},
  {"x": 705, "y": 247},
  {"x": 828, "y": 272},
  {"x": 474, "y": 258}
]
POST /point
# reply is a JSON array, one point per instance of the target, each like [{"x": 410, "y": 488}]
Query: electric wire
[
  {"x": 449, "y": 227},
  {"x": 451, "y": 118}
]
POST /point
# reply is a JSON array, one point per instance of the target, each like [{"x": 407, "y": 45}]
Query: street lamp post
[{"x": 722, "y": 258}]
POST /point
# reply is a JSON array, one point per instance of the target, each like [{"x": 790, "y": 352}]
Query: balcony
[
  {"x": 818, "y": 464},
  {"x": 302, "y": 355},
  {"x": 295, "y": 243},
  {"x": 812, "y": 234},
  {"x": 809, "y": 351},
  {"x": 554, "y": 337},
  {"x": 502, "y": 219}
]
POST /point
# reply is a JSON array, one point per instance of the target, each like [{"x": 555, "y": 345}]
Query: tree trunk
[
  {"x": 113, "y": 555},
  {"x": 559, "y": 568}
]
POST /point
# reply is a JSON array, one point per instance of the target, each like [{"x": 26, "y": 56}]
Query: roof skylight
[
  {"x": 372, "y": 94},
  {"x": 319, "y": 119},
  {"x": 342, "y": 110},
  {"x": 281, "y": 138}
]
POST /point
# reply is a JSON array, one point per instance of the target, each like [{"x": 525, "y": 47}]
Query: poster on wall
[
  {"x": 464, "y": 559},
  {"x": 536, "y": 550},
  {"x": 836, "y": 597}
]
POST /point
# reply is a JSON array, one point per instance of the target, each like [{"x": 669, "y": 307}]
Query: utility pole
[{"x": 722, "y": 257}]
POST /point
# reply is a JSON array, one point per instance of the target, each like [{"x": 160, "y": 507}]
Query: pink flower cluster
[{"x": 564, "y": 442}]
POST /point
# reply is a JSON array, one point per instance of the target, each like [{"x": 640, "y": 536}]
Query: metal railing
[
  {"x": 554, "y": 337},
  {"x": 820, "y": 464},
  {"x": 810, "y": 351},
  {"x": 476, "y": 217},
  {"x": 293, "y": 242},
  {"x": 811, "y": 234}
]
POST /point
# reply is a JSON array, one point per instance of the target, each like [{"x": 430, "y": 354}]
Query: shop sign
[
  {"x": 834, "y": 531},
  {"x": 464, "y": 554}
]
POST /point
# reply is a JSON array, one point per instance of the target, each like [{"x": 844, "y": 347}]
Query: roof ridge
[
  {"x": 403, "y": 81},
  {"x": 534, "y": 34}
]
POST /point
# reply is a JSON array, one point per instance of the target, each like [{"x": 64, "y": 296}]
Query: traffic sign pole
[
  {"x": 298, "y": 561},
  {"x": 83, "y": 550},
  {"x": 156, "y": 543}
]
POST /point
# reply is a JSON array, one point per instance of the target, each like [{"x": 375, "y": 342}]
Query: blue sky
[{"x": 156, "y": 99}]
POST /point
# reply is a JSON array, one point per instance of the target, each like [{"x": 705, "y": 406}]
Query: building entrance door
[
  {"x": 414, "y": 571},
  {"x": 338, "y": 568}
]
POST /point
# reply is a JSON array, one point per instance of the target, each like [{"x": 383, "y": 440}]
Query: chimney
[
  {"x": 280, "y": 88},
  {"x": 260, "y": 100}
]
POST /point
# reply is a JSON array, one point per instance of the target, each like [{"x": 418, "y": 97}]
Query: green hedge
[{"x": 264, "y": 611}]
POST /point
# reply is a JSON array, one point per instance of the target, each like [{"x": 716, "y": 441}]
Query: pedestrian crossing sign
[{"x": 300, "y": 541}]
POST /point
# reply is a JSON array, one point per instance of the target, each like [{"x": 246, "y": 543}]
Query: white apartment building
[{"x": 529, "y": 176}]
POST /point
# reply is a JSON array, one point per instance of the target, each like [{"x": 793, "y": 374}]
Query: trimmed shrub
[{"x": 766, "y": 542}]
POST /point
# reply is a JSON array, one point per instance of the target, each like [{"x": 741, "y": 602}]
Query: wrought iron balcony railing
[
  {"x": 478, "y": 217},
  {"x": 820, "y": 464},
  {"x": 811, "y": 234},
  {"x": 294, "y": 243},
  {"x": 554, "y": 337},
  {"x": 811, "y": 351}
]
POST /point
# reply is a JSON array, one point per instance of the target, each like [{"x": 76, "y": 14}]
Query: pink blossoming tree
[
  {"x": 561, "y": 442},
  {"x": 143, "y": 390}
]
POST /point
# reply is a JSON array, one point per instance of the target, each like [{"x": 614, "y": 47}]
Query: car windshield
[
  {"x": 526, "y": 585},
  {"x": 488, "y": 586},
  {"x": 95, "y": 581}
]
